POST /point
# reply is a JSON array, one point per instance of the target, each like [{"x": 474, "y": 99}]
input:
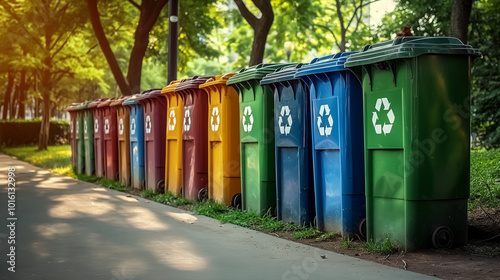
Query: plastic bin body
[
  {"x": 224, "y": 180},
  {"x": 194, "y": 137},
  {"x": 88, "y": 139},
  {"x": 79, "y": 141},
  {"x": 417, "y": 148},
  {"x": 72, "y": 133},
  {"x": 98, "y": 125},
  {"x": 136, "y": 113},
  {"x": 123, "y": 140},
  {"x": 155, "y": 122},
  {"x": 337, "y": 143},
  {"x": 110, "y": 139},
  {"x": 173, "y": 145},
  {"x": 292, "y": 132},
  {"x": 258, "y": 186}
]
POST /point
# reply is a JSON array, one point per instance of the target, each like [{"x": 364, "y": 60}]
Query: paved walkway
[{"x": 69, "y": 229}]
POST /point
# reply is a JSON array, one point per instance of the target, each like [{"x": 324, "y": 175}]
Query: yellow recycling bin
[
  {"x": 224, "y": 180},
  {"x": 173, "y": 148}
]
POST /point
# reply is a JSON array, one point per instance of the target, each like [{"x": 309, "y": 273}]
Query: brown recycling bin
[{"x": 110, "y": 143}]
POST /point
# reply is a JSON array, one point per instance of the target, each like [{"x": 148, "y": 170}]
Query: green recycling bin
[
  {"x": 88, "y": 139},
  {"x": 79, "y": 151},
  {"x": 258, "y": 185},
  {"x": 416, "y": 99}
]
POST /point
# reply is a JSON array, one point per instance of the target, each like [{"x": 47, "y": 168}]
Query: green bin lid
[
  {"x": 285, "y": 73},
  {"x": 408, "y": 47},
  {"x": 81, "y": 106},
  {"x": 255, "y": 72}
]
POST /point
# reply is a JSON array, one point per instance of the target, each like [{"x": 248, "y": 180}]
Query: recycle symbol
[
  {"x": 120, "y": 126},
  {"x": 106, "y": 126},
  {"x": 85, "y": 126},
  {"x": 215, "y": 119},
  {"x": 171, "y": 121},
  {"x": 132, "y": 126},
  {"x": 96, "y": 125},
  {"x": 148, "y": 124},
  {"x": 76, "y": 129},
  {"x": 387, "y": 127},
  {"x": 247, "y": 112},
  {"x": 71, "y": 127},
  {"x": 187, "y": 120},
  {"x": 285, "y": 113},
  {"x": 324, "y": 110}
]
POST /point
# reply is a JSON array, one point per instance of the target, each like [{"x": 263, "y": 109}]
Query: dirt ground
[{"x": 479, "y": 259}]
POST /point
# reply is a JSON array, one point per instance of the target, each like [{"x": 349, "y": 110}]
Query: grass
[
  {"x": 385, "y": 246},
  {"x": 485, "y": 179},
  {"x": 166, "y": 198}
]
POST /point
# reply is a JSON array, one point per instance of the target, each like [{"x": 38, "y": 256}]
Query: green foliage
[
  {"x": 55, "y": 158},
  {"x": 385, "y": 246},
  {"x": 307, "y": 233},
  {"x": 328, "y": 235},
  {"x": 485, "y": 179},
  {"x": 170, "y": 199},
  {"x": 347, "y": 242},
  {"x": 148, "y": 193}
]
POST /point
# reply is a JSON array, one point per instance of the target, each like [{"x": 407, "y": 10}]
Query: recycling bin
[
  {"x": 72, "y": 132},
  {"x": 224, "y": 180},
  {"x": 110, "y": 139},
  {"x": 155, "y": 123},
  {"x": 136, "y": 130},
  {"x": 337, "y": 144},
  {"x": 258, "y": 186},
  {"x": 88, "y": 139},
  {"x": 123, "y": 144},
  {"x": 194, "y": 138},
  {"x": 173, "y": 145},
  {"x": 416, "y": 131},
  {"x": 292, "y": 134},
  {"x": 98, "y": 136}
]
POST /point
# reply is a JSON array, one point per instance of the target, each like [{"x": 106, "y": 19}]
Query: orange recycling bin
[
  {"x": 224, "y": 180},
  {"x": 173, "y": 146},
  {"x": 123, "y": 128}
]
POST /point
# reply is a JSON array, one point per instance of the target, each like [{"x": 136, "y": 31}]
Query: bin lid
[
  {"x": 105, "y": 103},
  {"x": 171, "y": 87},
  {"x": 118, "y": 101},
  {"x": 150, "y": 94},
  {"x": 217, "y": 80},
  {"x": 408, "y": 47},
  {"x": 255, "y": 72},
  {"x": 192, "y": 83},
  {"x": 329, "y": 63},
  {"x": 81, "y": 106},
  {"x": 72, "y": 107},
  {"x": 132, "y": 100},
  {"x": 93, "y": 104},
  {"x": 285, "y": 73}
]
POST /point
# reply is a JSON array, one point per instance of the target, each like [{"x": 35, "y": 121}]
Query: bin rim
[
  {"x": 217, "y": 80},
  {"x": 82, "y": 106},
  {"x": 330, "y": 63},
  {"x": 149, "y": 94},
  {"x": 132, "y": 100},
  {"x": 409, "y": 47},
  {"x": 71, "y": 107},
  {"x": 256, "y": 72},
  {"x": 93, "y": 104},
  {"x": 119, "y": 101},
  {"x": 192, "y": 83},
  {"x": 171, "y": 87},
  {"x": 285, "y": 73},
  {"x": 105, "y": 103}
]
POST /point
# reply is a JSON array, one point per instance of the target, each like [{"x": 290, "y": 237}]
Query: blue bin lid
[
  {"x": 132, "y": 100},
  {"x": 285, "y": 73},
  {"x": 329, "y": 63},
  {"x": 192, "y": 83}
]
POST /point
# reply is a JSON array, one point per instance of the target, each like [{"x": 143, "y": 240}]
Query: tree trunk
[
  {"x": 150, "y": 10},
  {"x": 261, "y": 27},
  {"x": 15, "y": 104},
  {"x": 342, "y": 26},
  {"x": 106, "y": 49},
  {"x": 6, "y": 99},
  {"x": 23, "y": 87},
  {"x": 43, "y": 136},
  {"x": 460, "y": 17}
]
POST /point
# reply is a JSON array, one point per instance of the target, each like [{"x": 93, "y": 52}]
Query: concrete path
[{"x": 69, "y": 229}]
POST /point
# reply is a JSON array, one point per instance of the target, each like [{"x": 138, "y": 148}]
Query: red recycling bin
[
  {"x": 110, "y": 143},
  {"x": 98, "y": 136},
  {"x": 194, "y": 138},
  {"x": 155, "y": 124},
  {"x": 72, "y": 130}
]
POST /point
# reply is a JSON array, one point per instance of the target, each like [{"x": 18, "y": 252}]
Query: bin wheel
[
  {"x": 236, "y": 201},
  {"x": 442, "y": 237},
  {"x": 203, "y": 194},
  {"x": 362, "y": 229},
  {"x": 160, "y": 187}
]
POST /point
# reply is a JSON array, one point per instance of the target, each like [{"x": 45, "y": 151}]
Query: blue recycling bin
[
  {"x": 292, "y": 134},
  {"x": 337, "y": 144},
  {"x": 137, "y": 177}
]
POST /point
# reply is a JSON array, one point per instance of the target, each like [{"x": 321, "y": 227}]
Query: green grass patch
[
  {"x": 385, "y": 246},
  {"x": 166, "y": 198},
  {"x": 485, "y": 179}
]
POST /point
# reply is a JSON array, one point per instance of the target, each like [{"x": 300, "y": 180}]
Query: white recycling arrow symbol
[
  {"x": 171, "y": 121},
  {"x": 324, "y": 110},
  {"x": 71, "y": 127},
  {"x": 247, "y": 124},
  {"x": 85, "y": 126},
  {"x": 96, "y": 125},
  {"x": 148, "y": 124},
  {"x": 285, "y": 114},
  {"x": 187, "y": 120},
  {"x": 215, "y": 119},
  {"x": 132, "y": 126},
  {"x": 120, "y": 126},
  {"x": 386, "y": 127},
  {"x": 106, "y": 126},
  {"x": 76, "y": 129}
]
